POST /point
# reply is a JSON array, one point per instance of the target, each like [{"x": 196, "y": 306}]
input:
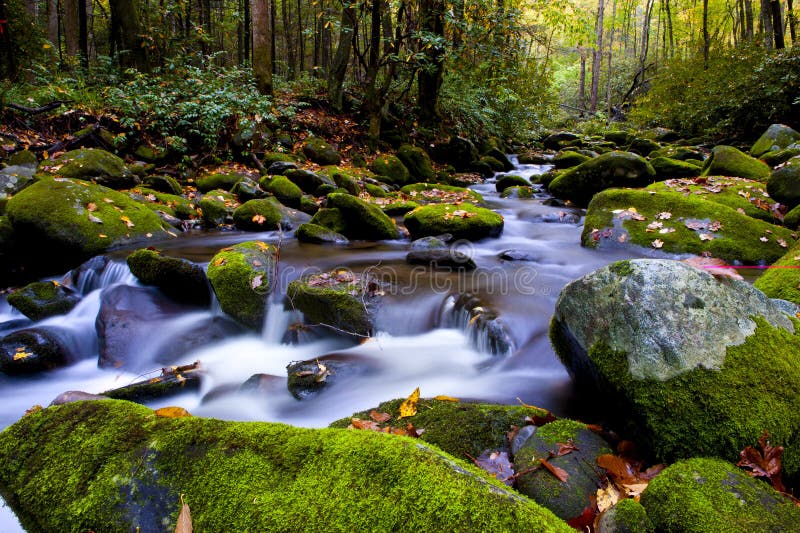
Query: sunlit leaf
[
  {"x": 184, "y": 524},
  {"x": 172, "y": 412},
  {"x": 409, "y": 405}
]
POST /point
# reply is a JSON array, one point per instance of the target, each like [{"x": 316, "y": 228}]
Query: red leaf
[
  {"x": 584, "y": 520},
  {"x": 564, "y": 449},
  {"x": 560, "y": 473},
  {"x": 765, "y": 462},
  {"x": 379, "y": 417}
]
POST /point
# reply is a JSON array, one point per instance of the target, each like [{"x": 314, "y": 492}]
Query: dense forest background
[{"x": 181, "y": 73}]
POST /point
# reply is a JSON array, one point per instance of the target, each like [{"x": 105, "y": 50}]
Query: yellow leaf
[
  {"x": 184, "y": 524},
  {"x": 607, "y": 498},
  {"x": 91, "y": 206},
  {"x": 219, "y": 261},
  {"x": 443, "y": 398},
  {"x": 102, "y": 235},
  {"x": 127, "y": 221},
  {"x": 172, "y": 412},
  {"x": 409, "y": 405},
  {"x": 21, "y": 354}
]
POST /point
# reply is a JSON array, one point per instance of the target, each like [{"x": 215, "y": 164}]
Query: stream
[{"x": 424, "y": 338}]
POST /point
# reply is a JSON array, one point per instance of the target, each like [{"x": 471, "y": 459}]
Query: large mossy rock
[
  {"x": 267, "y": 214},
  {"x": 425, "y": 193},
  {"x": 567, "y": 499},
  {"x": 320, "y": 152},
  {"x": 777, "y": 137},
  {"x": 457, "y": 427},
  {"x": 627, "y": 516},
  {"x": 42, "y": 299},
  {"x": 704, "y": 495},
  {"x": 62, "y": 222},
  {"x": 242, "y": 277},
  {"x": 340, "y": 300},
  {"x": 112, "y": 465},
  {"x": 784, "y": 183},
  {"x": 417, "y": 161},
  {"x": 218, "y": 180},
  {"x": 687, "y": 364},
  {"x": 612, "y": 169},
  {"x": 569, "y": 159},
  {"x": 285, "y": 191},
  {"x": 217, "y": 207},
  {"x": 93, "y": 164},
  {"x": 180, "y": 279},
  {"x": 667, "y": 168},
  {"x": 362, "y": 221},
  {"x": 310, "y": 182},
  {"x": 463, "y": 221},
  {"x": 390, "y": 169},
  {"x": 314, "y": 234},
  {"x": 458, "y": 152},
  {"x": 783, "y": 281},
  {"x": 729, "y": 161},
  {"x": 675, "y": 223}
]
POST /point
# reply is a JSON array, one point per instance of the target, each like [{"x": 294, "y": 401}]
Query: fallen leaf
[
  {"x": 443, "y": 398},
  {"x": 764, "y": 462},
  {"x": 91, "y": 206},
  {"x": 782, "y": 243},
  {"x": 497, "y": 464},
  {"x": 584, "y": 521},
  {"x": 172, "y": 412},
  {"x": 714, "y": 266},
  {"x": 654, "y": 226},
  {"x": 357, "y": 423},
  {"x": 706, "y": 237},
  {"x": 102, "y": 235},
  {"x": 664, "y": 215},
  {"x": 379, "y": 417},
  {"x": 763, "y": 239},
  {"x": 560, "y": 473},
  {"x": 259, "y": 219},
  {"x": 607, "y": 498},
  {"x": 184, "y": 524},
  {"x": 21, "y": 354},
  {"x": 658, "y": 243},
  {"x": 617, "y": 467},
  {"x": 127, "y": 221},
  {"x": 94, "y": 219},
  {"x": 256, "y": 281},
  {"x": 409, "y": 406},
  {"x": 666, "y": 230},
  {"x": 622, "y": 238},
  {"x": 219, "y": 261},
  {"x": 634, "y": 490},
  {"x": 564, "y": 449}
]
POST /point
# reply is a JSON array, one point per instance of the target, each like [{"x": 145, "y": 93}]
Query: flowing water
[{"x": 428, "y": 334}]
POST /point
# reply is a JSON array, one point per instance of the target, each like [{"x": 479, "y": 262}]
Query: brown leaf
[
  {"x": 379, "y": 417},
  {"x": 564, "y": 449},
  {"x": 584, "y": 521},
  {"x": 765, "y": 462},
  {"x": 560, "y": 473},
  {"x": 184, "y": 524},
  {"x": 172, "y": 412},
  {"x": 607, "y": 498},
  {"x": 91, "y": 206},
  {"x": 617, "y": 467},
  {"x": 714, "y": 266},
  {"x": 357, "y": 423}
]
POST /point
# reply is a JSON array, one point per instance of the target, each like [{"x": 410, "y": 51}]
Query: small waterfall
[
  {"x": 99, "y": 273},
  {"x": 276, "y": 323},
  {"x": 483, "y": 327}
]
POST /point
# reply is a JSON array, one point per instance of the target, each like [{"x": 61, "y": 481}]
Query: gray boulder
[{"x": 776, "y": 137}]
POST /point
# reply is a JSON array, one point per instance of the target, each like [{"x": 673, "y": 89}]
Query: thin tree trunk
[
  {"x": 342, "y": 57},
  {"x": 273, "y": 45},
  {"x": 372, "y": 102},
  {"x": 429, "y": 79},
  {"x": 262, "y": 57},
  {"x": 766, "y": 23},
  {"x": 125, "y": 17},
  {"x": 83, "y": 33},
  {"x": 70, "y": 21},
  {"x": 792, "y": 22},
  {"x": 582, "y": 80},
  {"x": 458, "y": 18},
  {"x": 706, "y": 38},
  {"x": 648, "y": 14},
  {"x": 301, "y": 42},
  {"x": 10, "y": 62},
  {"x": 288, "y": 37},
  {"x": 749, "y": 19},
  {"x": 611, "y": 52},
  {"x": 52, "y": 23},
  {"x": 597, "y": 55},
  {"x": 669, "y": 30},
  {"x": 777, "y": 24}
]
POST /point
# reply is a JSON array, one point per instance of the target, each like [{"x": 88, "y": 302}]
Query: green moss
[
  {"x": 284, "y": 190},
  {"x": 667, "y": 168},
  {"x": 728, "y": 161},
  {"x": 627, "y": 516},
  {"x": 217, "y": 207},
  {"x": 792, "y": 219},
  {"x": 417, "y": 161},
  {"x": 343, "y": 305},
  {"x": 242, "y": 278},
  {"x": 737, "y": 193},
  {"x": 777, "y": 136},
  {"x": 424, "y": 193},
  {"x": 342, "y": 179},
  {"x": 57, "y": 219},
  {"x": 708, "y": 496},
  {"x": 783, "y": 281},
  {"x": 510, "y": 180},
  {"x": 493, "y": 163},
  {"x": 258, "y": 215},
  {"x": 92, "y": 164},
  {"x": 42, "y": 299},
  {"x": 459, "y": 427},
  {"x": 738, "y": 238},
  {"x": 218, "y": 180},
  {"x": 559, "y": 431},
  {"x": 164, "y": 184},
  {"x": 314, "y": 234},
  {"x": 390, "y": 169},
  {"x": 400, "y": 208},
  {"x": 113, "y": 465},
  {"x": 308, "y": 205},
  {"x": 178, "y": 278},
  {"x": 23, "y": 158},
  {"x": 784, "y": 184},
  {"x": 362, "y": 220},
  {"x": 777, "y": 157},
  {"x": 274, "y": 157},
  {"x": 463, "y": 221},
  {"x": 621, "y": 268},
  {"x": 517, "y": 192},
  {"x": 569, "y": 159},
  {"x": 330, "y": 218},
  {"x": 720, "y": 411},
  {"x": 320, "y": 152},
  {"x": 169, "y": 203},
  {"x": 374, "y": 190}
]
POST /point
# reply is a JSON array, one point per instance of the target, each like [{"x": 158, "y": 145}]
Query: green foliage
[{"x": 741, "y": 92}]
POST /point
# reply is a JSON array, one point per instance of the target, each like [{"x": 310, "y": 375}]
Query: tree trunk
[
  {"x": 301, "y": 42},
  {"x": 262, "y": 58},
  {"x": 125, "y": 18},
  {"x": 597, "y": 55},
  {"x": 458, "y": 18},
  {"x": 342, "y": 57},
  {"x": 429, "y": 79},
  {"x": 777, "y": 24},
  {"x": 291, "y": 63},
  {"x": 792, "y": 22},
  {"x": 273, "y": 45},
  {"x": 372, "y": 102},
  {"x": 611, "y": 51},
  {"x": 749, "y": 19},
  {"x": 70, "y": 22},
  {"x": 9, "y": 61},
  {"x": 83, "y": 33},
  {"x": 706, "y": 38},
  {"x": 52, "y": 24},
  {"x": 669, "y": 29},
  {"x": 648, "y": 14},
  {"x": 766, "y": 22},
  {"x": 582, "y": 80}
]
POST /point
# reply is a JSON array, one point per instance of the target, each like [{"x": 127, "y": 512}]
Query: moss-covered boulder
[
  {"x": 342, "y": 179},
  {"x": 569, "y": 159},
  {"x": 457, "y": 427},
  {"x": 777, "y": 137},
  {"x": 425, "y": 193},
  {"x": 42, "y": 299},
  {"x": 30, "y": 351},
  {"x": 784, "y": 183},
  {"x": 242, "y": 277},
  {"x": 14, "y": 178},
  {"x": 495, "y": 165},
  {"x": 180, "y": 279},
  {"x": 390, "y": 169},
  {"x": 710, "y": 390},
  {"x": 61, "y": 222},
  {"x": 517, "y": 192},
  {"x": 702, "y": 495},
  {"x": 218, "y": 180},
  {"x": 258, "y": 215},
  {"x": 510, "y": 180},
  {"x": 310, "y": 182},
  {"x": 643, "y": 146},
  {"x": 463, "y": 221},
  {"x": 458, "y": 152},
  {"x": 612, "y": 169},
  {"x": 620, "y": 138},
  {"x": 560, "y": 139},
  {"x": 496, "y": 154},
  {"x": 23, "y": 158},
  {"x": 567, "y": 499},
  {"x": 729, "y": 161},
  {"x": 284, "y": 190},
  {"x": 362, "y": 221},
  {"x": 247, "y": 189},
  {"x": 783, "y": 281},
  {"x": 778, "y": 157},
  {"x": 217, "y": 207},
  {"x": 340, "y": 300},
  {"x": 679, "y": 153},
  {"x": 447, "y": 259},
  {"x": 117, "y": 466},
  {"x": 667, "y": 168},
  {"x": 417, "y": 161},
  {"x": 627, "y": 516},
  {"x": 315, "y": 234},
  {"x": 92, "y": 164},
  {"x": 321, "y": 152},
  {"x": 165, "y": 184},
  {"x": 672, "y": 222},
  {"x": 330, "y": 218}
]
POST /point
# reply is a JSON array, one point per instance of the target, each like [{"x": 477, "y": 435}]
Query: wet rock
[
  {"x": 417, "y": 161},
  {"x": 320, "y": 152},
  {"x": 643, "y": 146},
  {"x": 728, "y": 161},
  {"x": 30, "y": 351},
  {"x": 777, "y": 137},
  {"x": 263, "y": 385},
  {"x": 505, "y": 163},
  {"x": 518, "y": 192},
  {"x": 784, "y": 183},
  {"x": 483, "y": 325},
  {"x": 309, "y": 182},
  {"x": 627, "y": 516},
  {"x": 248, "y": 190},
  {"x": 518, "y": 255},
  {"x": 76, "y": 396},
  {"x": 463, "y": 221},
  {"x": 681, "y": 395},
  {"x": 431, "y": 243},
  {"x": 280, "y": 167},
  {"x": 181, "y": 280},
  {"x": 165, "y": 184},
  {"x": 362, "y": 221},
  {"x": 391, "y": 170},
  {"x": 243, "y": 277},
  {"x": 219, "y": 181},
  {"x": 450, "y": 259},
  {"x": 458, "y": 152},
  {"x": 92, "y": 164},
  {"x": 171, "y": 381},
  {"x": 218, "y": 207},
  {"x": 42, "y": 299},
  {"x": 308, "y": 378},
  {"x": 558, "y": 140},
  {"x": 15, "y": 178},
  {"x": 569, "y": 159},
  {"x": 284, "y": 190},
  {"x": 314, "y": 234},
  {"x": 567, "y": 499},
  {"x": 510, "y": 180},
  {"x": 267, "y": 215}
]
